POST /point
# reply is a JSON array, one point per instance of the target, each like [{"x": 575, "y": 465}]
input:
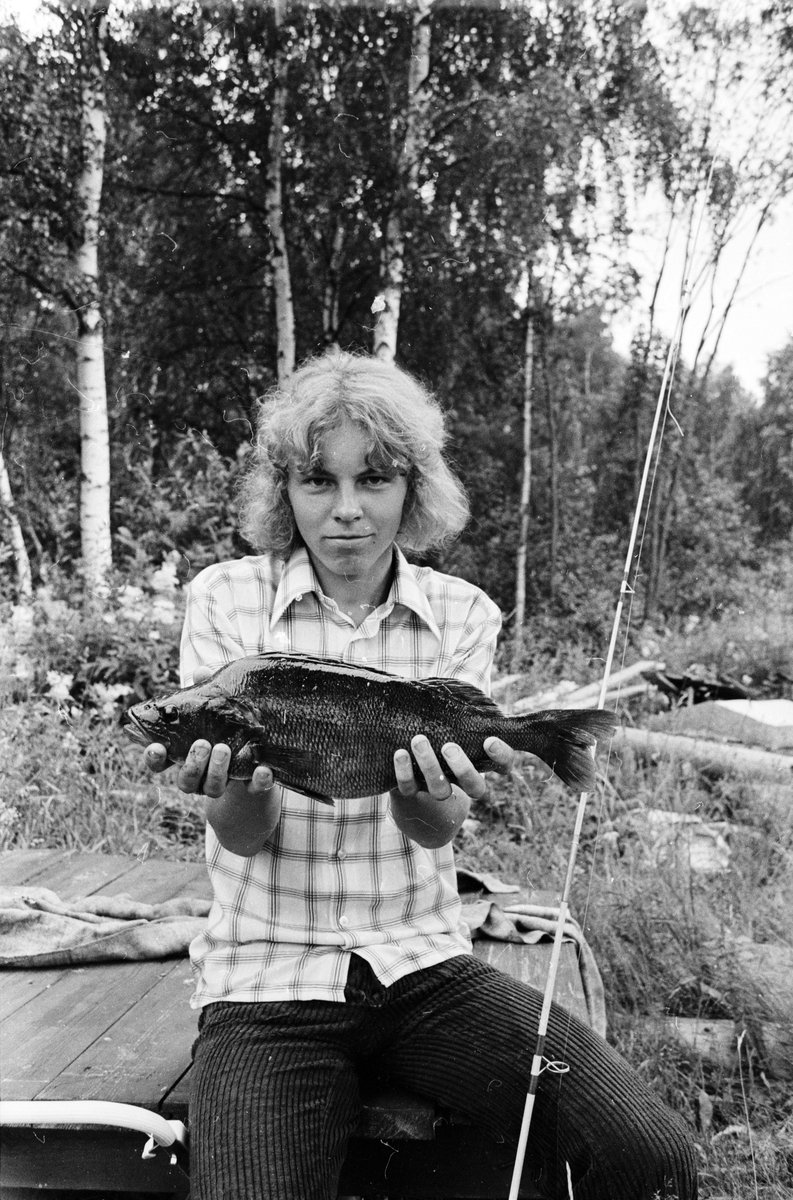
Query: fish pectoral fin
[
  {"x": 311, "y": 795},
  {"x": 286, "y": 762}
]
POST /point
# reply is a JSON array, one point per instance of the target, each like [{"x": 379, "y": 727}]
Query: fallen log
[
  {"x": 717, "y": 1040},
  {"x": 704, "y": 753},
  {"x": 617, "y": 679},
  {"x": 575, "y": 701},
  {"x": 566, "y": 696}
]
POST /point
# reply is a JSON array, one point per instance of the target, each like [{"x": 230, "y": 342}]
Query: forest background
[{"x": 196, "y": 196}]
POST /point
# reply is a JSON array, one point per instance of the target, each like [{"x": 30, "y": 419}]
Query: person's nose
[{"x": 348, "y": 505}]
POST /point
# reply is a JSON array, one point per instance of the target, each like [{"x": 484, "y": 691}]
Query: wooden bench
[{"x": 124, "y": 1031}]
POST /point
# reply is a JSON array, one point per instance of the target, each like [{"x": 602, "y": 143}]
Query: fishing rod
[{"x": 539, "y": 1062}]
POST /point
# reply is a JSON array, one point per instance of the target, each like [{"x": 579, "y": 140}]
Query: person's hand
[
  {"x": 205, "y": 769},
  {"x": 471, "y": 781},
  {"x": 432, "y": 816},
  {"x": 243, "y": 813}
]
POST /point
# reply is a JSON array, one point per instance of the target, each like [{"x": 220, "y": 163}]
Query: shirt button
[
  {"x": 341, "y": 853},
  {"x": 344, "y": 922}
]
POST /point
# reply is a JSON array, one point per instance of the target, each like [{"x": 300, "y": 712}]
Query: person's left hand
[{"x": 466, "y": 776}]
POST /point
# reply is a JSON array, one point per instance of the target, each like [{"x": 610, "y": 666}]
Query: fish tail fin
[{"x": 565, "y": 740}]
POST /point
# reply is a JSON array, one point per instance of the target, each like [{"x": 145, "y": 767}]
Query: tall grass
[{"x": 74, "y": 782}]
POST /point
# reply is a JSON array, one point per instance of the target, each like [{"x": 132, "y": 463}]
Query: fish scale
[{"x": 330, "y": 729}]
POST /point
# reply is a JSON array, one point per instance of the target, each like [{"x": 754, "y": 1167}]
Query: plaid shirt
[{"x": 331, "y": 880}]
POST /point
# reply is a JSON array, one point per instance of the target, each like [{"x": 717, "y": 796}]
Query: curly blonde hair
[{"x": 406, "y": 429}]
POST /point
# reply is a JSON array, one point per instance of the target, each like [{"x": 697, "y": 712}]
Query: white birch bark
[
  {"x": 274, "y": 208},
  {"x": 392, "y": 257},
  {"x": 91, "y": 389},
  {"x": 330, "y": 296},
  {"x": 21, "y": 560},
  {"x": 525, "y": 490}
]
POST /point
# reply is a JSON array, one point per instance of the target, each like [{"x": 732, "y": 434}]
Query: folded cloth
[
  {"x": 475, "y": 881},
  {"x": 531, "y": 923},
  {"x": 38, "y": 929}
]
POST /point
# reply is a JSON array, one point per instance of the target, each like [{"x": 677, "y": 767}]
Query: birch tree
[
  {"x": 274, "y": 208},
  {"x": 90, "y": 357},
  {"x": 525, "y": 487},
  {"x": 19, "y": 550},
  {"x": 392, "y": 256}
]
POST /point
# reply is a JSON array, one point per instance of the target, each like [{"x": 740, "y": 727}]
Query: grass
[
  {"x": 75, "y": 782},
  {"x": 662, "y": 935}
]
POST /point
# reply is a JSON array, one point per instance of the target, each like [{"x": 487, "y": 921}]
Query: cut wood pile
[
  {"x": 711, "y": 718},
  {"x": 567, "y": 694}
]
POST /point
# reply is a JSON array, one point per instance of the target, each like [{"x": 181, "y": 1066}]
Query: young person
[{"x": 335, "y": 940}]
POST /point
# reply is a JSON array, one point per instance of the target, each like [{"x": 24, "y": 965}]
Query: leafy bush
[
  {"x": 122, "y": 643},
  {"x": 183, "y": 503}
]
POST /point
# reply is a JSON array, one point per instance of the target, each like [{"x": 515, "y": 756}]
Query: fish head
[{"x": 174, "y": 722}]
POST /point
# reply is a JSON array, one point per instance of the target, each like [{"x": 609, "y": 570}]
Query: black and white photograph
[{"x": 396, "y": 599}]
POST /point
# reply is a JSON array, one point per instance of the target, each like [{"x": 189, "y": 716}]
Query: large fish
[{"x": 330, "y": 729}]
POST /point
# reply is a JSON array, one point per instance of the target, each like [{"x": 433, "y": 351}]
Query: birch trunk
[
  {"x": 525, "y": 491},
  {"x": 94, "y": 438},
  {"x": 553, "y": 451},
  {"x": 393, "y": 253},
  {"x": 274, "y": 208},
  {"x": 330, "y": 297},
  {"x": 21, "y": 560}
]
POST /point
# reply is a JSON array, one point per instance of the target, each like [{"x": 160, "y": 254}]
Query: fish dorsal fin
[
  {"x": 313, "y": 660},
  {"x": 464, "y": 693}
]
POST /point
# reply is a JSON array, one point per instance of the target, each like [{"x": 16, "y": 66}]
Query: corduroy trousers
[{"x": 275, "y": 1087}]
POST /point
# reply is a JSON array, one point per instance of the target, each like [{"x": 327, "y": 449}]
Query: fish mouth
[{"x": 137, "y": 732}]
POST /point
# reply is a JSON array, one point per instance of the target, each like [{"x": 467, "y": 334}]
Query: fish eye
[{"x": 170, "y": 714}]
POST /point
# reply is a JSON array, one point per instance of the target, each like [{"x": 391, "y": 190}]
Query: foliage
[
  {"x": 89, "y": 653},
  {"x": 560, "y": 118},
  {"x": 763, "y": 461},
  {"x": 558, "y": 115}
]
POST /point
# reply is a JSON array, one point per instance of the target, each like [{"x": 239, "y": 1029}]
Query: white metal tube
[{"x": 90, "y": 1112}]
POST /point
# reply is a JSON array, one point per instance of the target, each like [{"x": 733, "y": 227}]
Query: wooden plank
[
  {"x": 106, "y": 1159},
  {"x": 61, "y": 1022},
  {"x": 63, "y": 1015},
  {"x": 175, "y": 1102},
  {"x": 25, "y": 866},
  {"x": 81, "y": 874},
  {"x": 73, "y": 873},
  {"x": 17, "y": 988},
  {"x": 142, "y": 1053},
  {"x": 155, "y": 880}
]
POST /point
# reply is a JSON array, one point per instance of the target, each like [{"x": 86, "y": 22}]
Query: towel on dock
[
  {"x": 531, "y": 923},
  {"x": 38, "y": 929}
]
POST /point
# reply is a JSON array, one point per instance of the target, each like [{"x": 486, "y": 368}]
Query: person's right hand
[
  {"x": 205, "y": 770},
  {"x": 243, "y": 813}
]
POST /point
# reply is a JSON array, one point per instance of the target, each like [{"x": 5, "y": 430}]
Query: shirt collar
[
  {"x": 406, "y": 591},
  {"x": 298, "y": 579}
]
